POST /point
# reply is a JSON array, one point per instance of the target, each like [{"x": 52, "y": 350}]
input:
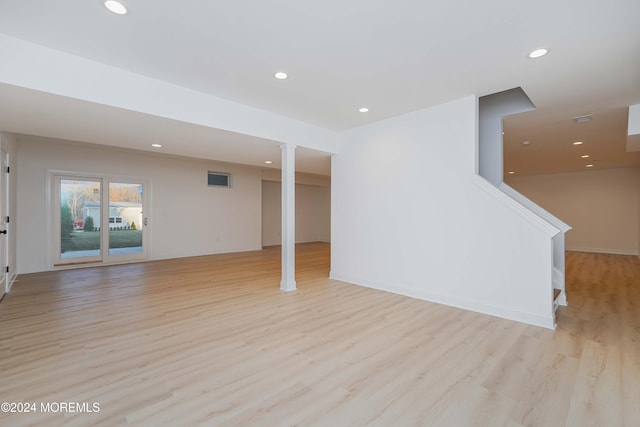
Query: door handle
[{"x": 3, "y": 231}]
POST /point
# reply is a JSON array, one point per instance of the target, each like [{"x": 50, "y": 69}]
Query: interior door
[{"x": 4, "y": 226}]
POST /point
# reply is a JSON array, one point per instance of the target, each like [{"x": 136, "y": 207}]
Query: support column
[{"x": 288, "y": 282}]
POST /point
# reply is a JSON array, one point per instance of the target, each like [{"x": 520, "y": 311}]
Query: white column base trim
[{"x": 288, "y": 286}]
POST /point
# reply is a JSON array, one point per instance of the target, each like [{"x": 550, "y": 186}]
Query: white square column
[{"x": 288, "y": 282}]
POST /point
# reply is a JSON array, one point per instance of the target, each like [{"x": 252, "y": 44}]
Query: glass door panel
[
  {"x": 78, "y": 229},
  {"x": 125, "y": 218}
]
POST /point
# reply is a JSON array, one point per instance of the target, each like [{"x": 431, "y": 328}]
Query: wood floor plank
[
  {"x": 631, "y": 381},
  {"x": 516, "y": 368},
  {"x": 489, "y": 409},
  {"x": 547, "y": 397},
  {"x": 597, "y": 397},
  {"x": 212, "y": 341}
]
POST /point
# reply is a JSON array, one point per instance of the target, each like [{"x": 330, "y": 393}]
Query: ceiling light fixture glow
[
  {"x": 590, "y": 165},
  {"x": 268, "y": 162},
  {"x": 585, "y": 156},
  {"x": 511, "y": 172},
  {"x": 363, "y": 109},
  {"x": 577, "y": 143},
  {"x": 280, "y": 75},
  {"x": 156, "y": 145},
  {"x": 116, "y": 7},
  {"x": 538, "y": 53}
]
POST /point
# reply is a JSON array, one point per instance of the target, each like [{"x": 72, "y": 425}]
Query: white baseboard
[
  {"x": 536, "y": 319},
  {"x": 603, "y": 251}
]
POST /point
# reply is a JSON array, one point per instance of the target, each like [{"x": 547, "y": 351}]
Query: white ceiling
[{"x": 391, "y": 56}]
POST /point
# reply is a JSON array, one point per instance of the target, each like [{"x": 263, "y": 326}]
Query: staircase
[
  {"x": 491, "y": 109},
  {"x": 558, "y": 276}
]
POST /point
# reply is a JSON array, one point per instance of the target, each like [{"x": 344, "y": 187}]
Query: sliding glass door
[{"x": 98, "y": 220}]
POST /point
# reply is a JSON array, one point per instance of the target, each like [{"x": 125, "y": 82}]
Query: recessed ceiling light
[
  {"x": 116, "y": 7},
  {"x": 526, "y": 142},
  {"x": 363, "y": 109},
  {"x": 511, "y": 172},
  {"x": 577, "y": 143},
  {"x": 585, "y": 156},
  {"x": 280, "y": 75},
  {"x": 268, "y": 162},
  {"x": 156, "y": 145},
  {"x": 582, "y": 119},
  {"x": 538, "y": 53},
  {"x": 590, "y": 165}
]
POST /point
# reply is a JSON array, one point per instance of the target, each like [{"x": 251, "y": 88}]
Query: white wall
[
  {"x": 409, "y": 215},
  {"x": 313, "y": 213},
  {"x": 8, "y": 143},
  {"x": 187, "y": 217},
  {"x": 600, "y": 205},
  {"x": 275, "y": 175}
]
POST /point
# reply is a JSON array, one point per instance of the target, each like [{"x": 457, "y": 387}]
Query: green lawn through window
[{"x": 90, "y": 240}]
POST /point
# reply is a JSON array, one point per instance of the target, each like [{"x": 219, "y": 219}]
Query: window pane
[{"x": 218, "y": 179}]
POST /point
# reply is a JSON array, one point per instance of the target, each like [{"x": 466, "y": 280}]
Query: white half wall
[
  {"x": 187, "y": 217},
  {"x": 409, "y": 215},
  {"x": 313, "y": 213},
  {"x": 600, "y": 205}
]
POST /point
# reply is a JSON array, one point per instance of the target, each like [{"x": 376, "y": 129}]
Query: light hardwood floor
[{"x": 212, "y": 341}]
